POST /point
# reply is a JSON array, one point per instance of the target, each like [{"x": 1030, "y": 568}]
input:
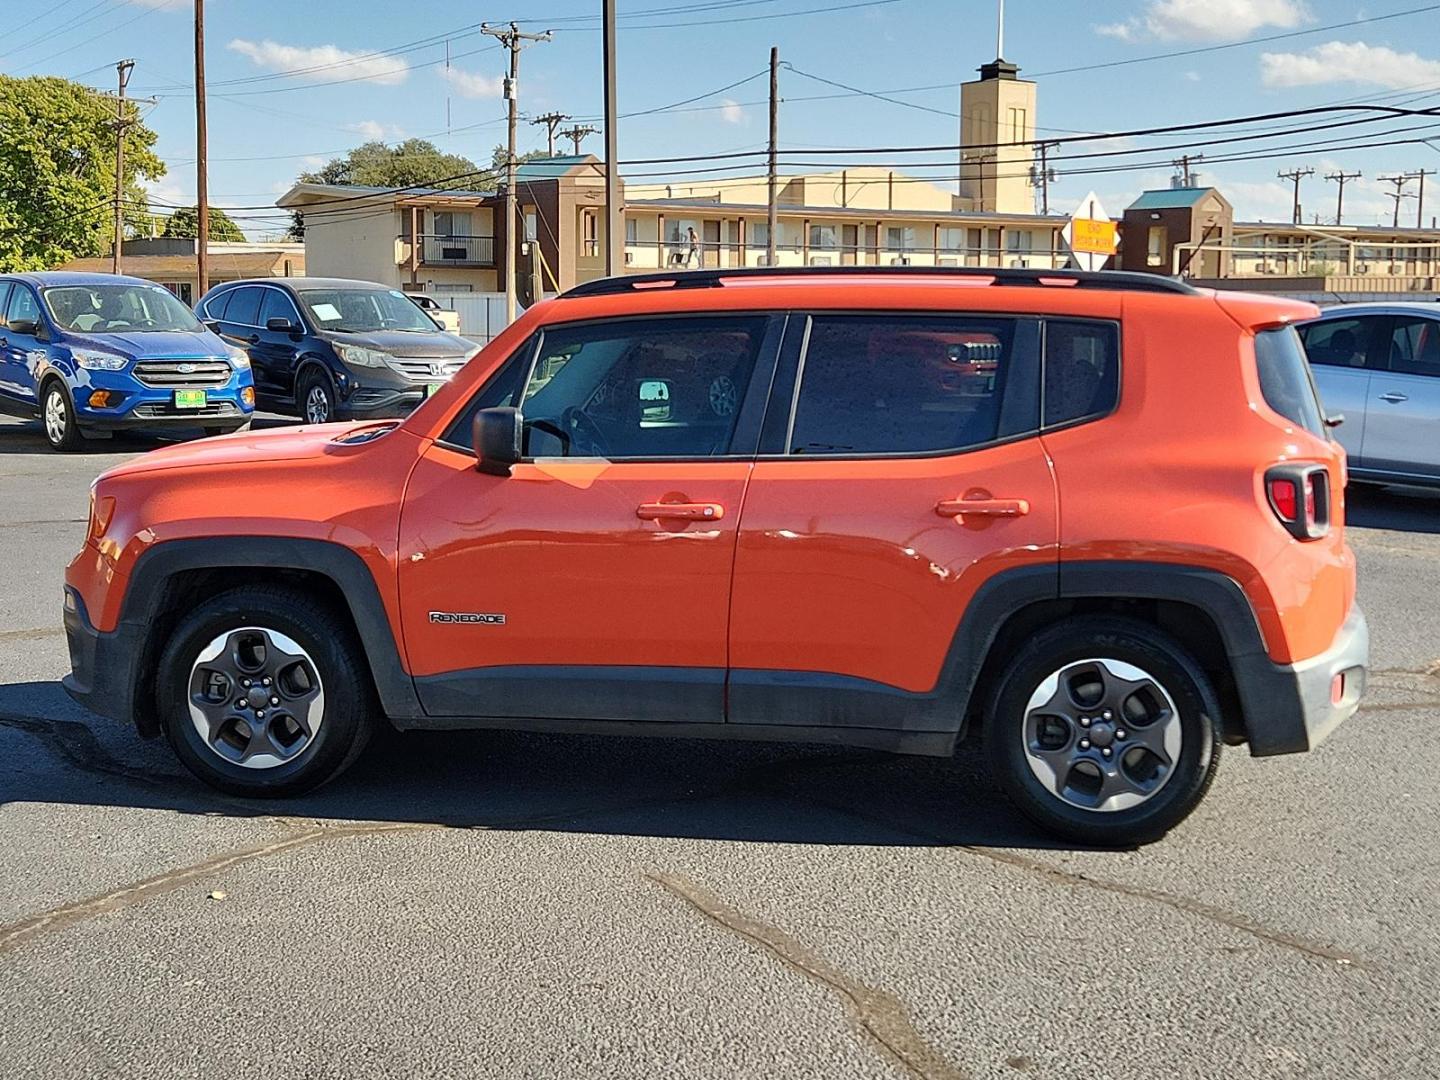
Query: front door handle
[
  {"x": 982, "y": 507},
  {"x": 1394, "y": 397},
  {"x": 680, "y": 511}
]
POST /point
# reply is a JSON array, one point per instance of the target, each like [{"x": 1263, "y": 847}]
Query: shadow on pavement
[
  {"x": 680, "y": 788},
  {"x": 28, "y": 437},
  {"x": 1403, "y": 509}
]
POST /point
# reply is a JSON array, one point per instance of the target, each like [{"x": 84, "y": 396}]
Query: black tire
[
  {"x": 315, "y": 394},
  {"x": 67, "y": 435},
  {"x": 349, "y": 703},
  {"x": 1172, "y": 670}
]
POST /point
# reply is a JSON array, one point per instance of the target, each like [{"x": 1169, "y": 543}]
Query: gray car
[{"x": 1379, "y": 365}]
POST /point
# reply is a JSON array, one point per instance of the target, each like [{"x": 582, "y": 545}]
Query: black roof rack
[{"x": 1129, "y": 281}]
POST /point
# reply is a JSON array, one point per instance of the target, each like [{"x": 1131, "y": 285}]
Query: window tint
[
  {"x": 244, "y": 306},
  {"x": 501, "y": 390},
  {"x": 1415, "y": 346},
  {"x": 277, "y": 305},
  {"x": 1337, "y": 342},
  {"x": 1082, "y": 370},
  {"x": 23, "y": 305},
  {"x": 4, "y": 299},
  {"x": 640, "y": 388},
  {"x": 214, "y": 307},
  {"x": 1285, "y": 378},
  {"x": 876, "y": 385}
]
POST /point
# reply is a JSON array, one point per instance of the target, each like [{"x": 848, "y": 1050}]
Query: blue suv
[{"x": 90, "y": 353}]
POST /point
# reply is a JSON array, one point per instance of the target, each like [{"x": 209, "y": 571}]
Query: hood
[
  {"x": 408, "y": 343},
  {"x": 152, "y": 344},
  {"x": 251, "y": 448}
]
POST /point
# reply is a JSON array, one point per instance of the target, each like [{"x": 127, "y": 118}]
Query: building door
[
  {"x": 849, "y": 244},
  {"x": 710, "y": 252}
]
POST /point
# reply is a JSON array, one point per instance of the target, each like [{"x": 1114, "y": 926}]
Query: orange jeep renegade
[{"x": 1096, "y": 517}]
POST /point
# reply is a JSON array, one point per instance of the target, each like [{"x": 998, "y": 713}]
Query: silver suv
[{"x": 1379, "y": 365}]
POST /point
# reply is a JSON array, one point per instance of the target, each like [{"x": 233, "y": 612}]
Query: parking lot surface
[{"x": 496, "y": 904}]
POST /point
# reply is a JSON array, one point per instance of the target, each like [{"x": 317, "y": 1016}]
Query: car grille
[
  {"x": 427, "y": 368},
  {"x": 183, "y": 374},
  {"x": 164, "y": 410}
]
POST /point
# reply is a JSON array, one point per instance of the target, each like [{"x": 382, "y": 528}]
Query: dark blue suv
[{"x": 90, "y": 353}]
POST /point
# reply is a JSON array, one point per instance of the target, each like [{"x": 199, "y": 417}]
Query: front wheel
[
  {"x": 264, "y": 692},
  {"x": 316, "y": 397},
  {"x": 61, "y": 430},
  {"x": 1104, "y": 731}
]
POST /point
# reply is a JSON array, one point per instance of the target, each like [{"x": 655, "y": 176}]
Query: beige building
[
  {"x": 170, "y": 261},
  {"x": 997, "y": 138}
]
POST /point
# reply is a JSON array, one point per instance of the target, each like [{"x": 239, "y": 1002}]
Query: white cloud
[
  {"x": 373, "y": 129},
  {"x": 472, "y": 84},
  {"x": 313, "y": 161},
  {"x": 731, "y": 112},
  {"x": 1207, "y": 20},
  {"x": 1192, "y": 76},
  {"x": 1348, "y": 61},
  {"x": 322, "y": 62}
]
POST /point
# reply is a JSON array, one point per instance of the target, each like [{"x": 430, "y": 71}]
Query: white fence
[{"x": 482, "y": 315}]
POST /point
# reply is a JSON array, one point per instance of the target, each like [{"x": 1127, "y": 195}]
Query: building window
[
  {"x": 1017, "y": 125},
  {"x": 632, "y": 231},
  {"x": 898, "y": 238},
  {"x": 452, "y": 223},
  {"x": 825, "y": 238},
  {"x": 951, "y": 241},
  {"x": 1020, "y": 241},
  {"x": 590, "y": 224},
  {"x": 1155, "y": 244}
]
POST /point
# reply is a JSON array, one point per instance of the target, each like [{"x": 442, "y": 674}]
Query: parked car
[
  {"x": 1378, "y": 366},
  {"x": 91, "y": 353},
  {"x": 444, "y": 317},
  {"x": 570, "y": 536},
  {"x": 327, "y": 348}
]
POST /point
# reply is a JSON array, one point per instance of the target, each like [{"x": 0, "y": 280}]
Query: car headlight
[
  {"x": 98, "y": 361},
  {"x": 238, "y": 357},
  {"x": 361, "y": 356}
]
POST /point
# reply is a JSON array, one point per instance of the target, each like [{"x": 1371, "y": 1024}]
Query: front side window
[
  {"x": 1285, "y": 378},
  {"x": 1337, "y": 342},
  {"x": 22, "y": 306},
  {"x": 879, "y": 385},
  {"x": 639, "y": 388},
  {"x": 1415, "y": 346},
  {"x": 363, "y": 311},
  {"x": 277, "y": 305},
  {"x": 1082, "y": 370},
  {"x": 114, "y": 309}
]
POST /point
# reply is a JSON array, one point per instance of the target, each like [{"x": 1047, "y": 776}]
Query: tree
[
  {"x": 57, "y": 171},
  {"x": 407, "y": 164},
  {"x": 185, "y": 223}
]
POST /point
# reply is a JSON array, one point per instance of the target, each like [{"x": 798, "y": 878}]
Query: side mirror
[
  {"x": 280, "y": 325},
  {"x": 213, "y": 325},
  {"x": 496, "y": 436},
  {"x": 24, "y": 326},
  {"x": 1335, "y": 420}
]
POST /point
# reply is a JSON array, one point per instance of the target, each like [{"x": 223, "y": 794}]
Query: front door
[
  {"x": 1402, "y": 427},
  {"x": 21, "y": 353},
  {"x": 273, "y": 355},
  {"x": 593, "y": 582},
  {"x": 908, "y": 474}
]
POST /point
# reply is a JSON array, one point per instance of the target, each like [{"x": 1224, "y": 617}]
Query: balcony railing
[{"x": 436, "y": 250}]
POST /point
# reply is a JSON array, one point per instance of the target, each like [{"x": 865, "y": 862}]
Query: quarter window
[
  {"x": 1415, "y": 346},
  {"x": 1285, "y": 378},
  {"x": 1082, "y": 370},
  {"x": 244, "y": 307},
  {"x": 874, "y": 385}
]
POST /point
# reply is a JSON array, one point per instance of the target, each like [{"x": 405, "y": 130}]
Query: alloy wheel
[
  {"x": 317, "y": 404},
  {"x": 57, "y": 417}
]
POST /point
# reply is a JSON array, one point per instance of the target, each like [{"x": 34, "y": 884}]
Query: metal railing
[
  {"x": 1323, "y": 256},
  {"x": 710, "y": 255},
  {"x": 437, "y": 250}
]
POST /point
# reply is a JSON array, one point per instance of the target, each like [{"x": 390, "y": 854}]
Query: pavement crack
[
  {"x": 73, "y": 742},
  {"x": 32, "y": 635},
  {"x": 878, "y": 1013}
]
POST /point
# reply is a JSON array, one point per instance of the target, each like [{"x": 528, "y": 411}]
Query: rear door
[
  {"x": 21, "y": 354},
  {"x": 1342, "y": 353},
  {"x": 908, "y": 471},
  {"x": 1402, "y": 427}
]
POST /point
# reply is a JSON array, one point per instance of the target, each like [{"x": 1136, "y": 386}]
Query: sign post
[{"x": 1090, "y": 234}]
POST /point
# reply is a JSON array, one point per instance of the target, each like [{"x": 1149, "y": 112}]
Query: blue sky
[{"x": 265, "y": 127}]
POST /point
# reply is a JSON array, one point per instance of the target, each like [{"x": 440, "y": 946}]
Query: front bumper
[
  {"x": 376, "y": 403},
  {"x": 1290, "y": 708},
  {"x": 154, "y": 406},
  {"x": 102, "y": 666}
]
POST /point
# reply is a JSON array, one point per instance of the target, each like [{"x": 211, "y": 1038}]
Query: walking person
[{"x": 692, "y": 256}]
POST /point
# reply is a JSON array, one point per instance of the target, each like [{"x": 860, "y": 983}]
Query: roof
[
  {"x": 730, "y": 209},
  {"x": 1384, "y": 307},
  {"x": 74, "y": 275},
  {"x": 553, "y": 167},
  {"x": 1170, "y": 198},
  {"x": 302, "y": 192},
  {"x": 242, "y": 264},
  {"x": 305, "y": 284}
]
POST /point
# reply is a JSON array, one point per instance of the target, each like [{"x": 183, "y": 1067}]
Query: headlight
[
  {"x": 361, "y": 356},
  {"x": 95, "y": 361},
  {"x": 238, "y": 357}
]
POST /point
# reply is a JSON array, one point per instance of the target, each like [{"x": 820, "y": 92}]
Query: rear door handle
[
  {"x": 680, "y": 511},
  {"x": 982, "y": 507},
  {"x": 1394, "y": 397}
]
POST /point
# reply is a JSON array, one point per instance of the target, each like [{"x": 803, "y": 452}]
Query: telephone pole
[
  {"x": 1340, "y": 178},
  {"x": 1042, "y": 175},
  {"x": 1399, "y": 194},
  {"x": 1295, "y": 176},
  {"x": 1420, "y": 175},
  {"x": 614, "y": 222},
  {"x": 551, "y": 120},
  {"x": 202, "y": 186},
  {"x": 576, "y": 133},
  {"x": 511, "y": 37},
  {"x": 1187, "y": 176},
  {"x": 770, "y": 212},
  {"x": 123, "y": 69}
]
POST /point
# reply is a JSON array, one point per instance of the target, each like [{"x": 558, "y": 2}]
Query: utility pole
[
  {"x": 123, "y": 69},
  {"x": 1295, "y": 176},
  {"x": 1043, "y": 175},
  {"x": 577, "y": 132},
  {"x": 1420, "y": 175},
  {"x": 1340, "y": 178},
  {"x": 551, "y": 120},
  {"x": 511, "y": 37},
  {"x": 1399, "y": 194},
  {"x": 1187, "y": 177},
  {"x": 202, "y": 185},
  {"x": 614, "y": 223},
  {"x": 771, "y": 217}
]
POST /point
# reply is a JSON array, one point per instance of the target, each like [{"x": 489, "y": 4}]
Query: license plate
[
  {"x": 431, "y": 388},
  {"x": 190, "y": 399}
]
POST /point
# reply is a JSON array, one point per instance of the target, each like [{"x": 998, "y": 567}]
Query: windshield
[
  {"x": 362, "y": 310},
  {"x": 118, "y": 309}
]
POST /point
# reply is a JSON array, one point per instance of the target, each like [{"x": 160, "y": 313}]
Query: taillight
[{"x": 1300, "y": 497}]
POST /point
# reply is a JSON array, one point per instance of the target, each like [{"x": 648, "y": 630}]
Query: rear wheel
[
  {"x": 263, "y": 692},
  {"x": 1104, "y": 731},
  {"x": 316, "y": 397},
  {"x": 58, "y": 416}
]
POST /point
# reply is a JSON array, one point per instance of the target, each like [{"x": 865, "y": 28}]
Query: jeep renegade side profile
[{"x": 1097, "y": 517}]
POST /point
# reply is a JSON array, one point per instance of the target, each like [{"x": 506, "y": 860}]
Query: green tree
[
  {"x": 185, "y": 223},
  {"x": 57, "y": 171},
  {"x": 412, "y": 162}
]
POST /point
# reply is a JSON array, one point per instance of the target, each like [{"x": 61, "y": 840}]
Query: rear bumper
[{"x": 1291, "y": 708}]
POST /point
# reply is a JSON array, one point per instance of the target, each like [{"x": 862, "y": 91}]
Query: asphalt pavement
[{"x": 508, "y": 905}]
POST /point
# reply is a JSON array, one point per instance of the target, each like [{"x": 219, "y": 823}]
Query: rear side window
[
  {"x": 244, "y": 306},
  {"x": 1415, "y": 346},
  {"x": 1337, "y": 342},
  {"x": 1082, "y": 370},
  {"x": 1285, "y": 378},
  {"x": 910, "y": 385}
]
